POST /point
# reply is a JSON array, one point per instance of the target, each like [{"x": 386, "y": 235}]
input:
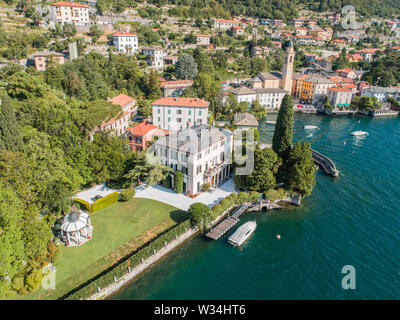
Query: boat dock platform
[
  {"x": 325, "y": 163},
  {"x": 220, "y": 229},
  {"x": 269, "y": 205}
]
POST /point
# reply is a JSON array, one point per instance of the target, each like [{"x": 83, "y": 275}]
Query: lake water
[{"x": 352, "y": 220}]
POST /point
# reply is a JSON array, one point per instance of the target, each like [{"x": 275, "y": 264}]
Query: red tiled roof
[
  {"x": 369, "y": 50},
  {"x": 202, "y": 35},
  {"x": 142, "y": 128},
  {"x": 345, "y": 70},
  {"x": 181, "y": 102},
  {"x": 69, "y": 4},
  {"x": 229, "y": 21},
  {"x": 122, "y": 100},
  {"x": 339, "y": 89},
  {"x": 124, "y": 34}
]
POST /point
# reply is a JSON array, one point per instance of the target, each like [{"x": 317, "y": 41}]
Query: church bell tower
[{"x": 287, "y": 70}]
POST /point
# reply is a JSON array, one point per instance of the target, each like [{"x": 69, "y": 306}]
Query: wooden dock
[{"x": 223, "y": 227}]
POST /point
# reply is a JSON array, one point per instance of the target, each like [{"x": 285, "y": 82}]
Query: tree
[
  {"x": 10, "y": 137},
  {"x": 11, "y": 242},
  {"x": 128, "y": 194},
  {"x": 95, "y": 33},
  {"x": 200, "y": 215},
  {"x": 266, "y": 164},
  {"x": 152, "y": 86},
  {"x": 298, "y": 170},
  {"x": 283, "y": 134},
  {"x": 186, "y": 67},
  {"x": 144, "y": 107},
  {"x": 178, "y": 182},
  {"x": 206, "y": 86}
]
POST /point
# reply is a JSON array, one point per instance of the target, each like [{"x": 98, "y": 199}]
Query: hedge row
[
  {"x": 105, "y": 201},
  {"x": 83, "y": 204},
  {"x": 122, "y": 268},
  {"x": 234, "y": 199}
]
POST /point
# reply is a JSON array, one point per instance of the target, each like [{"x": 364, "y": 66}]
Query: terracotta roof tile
[{"x": 181, "y": 102}]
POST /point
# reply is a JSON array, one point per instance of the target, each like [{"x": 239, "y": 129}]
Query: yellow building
[{"x": 311, "y": 88}]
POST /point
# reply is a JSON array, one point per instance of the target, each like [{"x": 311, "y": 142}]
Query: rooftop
[
  {"x": 122, "y": 100},
  {"x": 245, "y": 119},
  {"x": 125, "y": 34},
  {"x": 142, "y": 128},
  {"x": 181, "y": 102},
  {"x": 69, "y": 4}
]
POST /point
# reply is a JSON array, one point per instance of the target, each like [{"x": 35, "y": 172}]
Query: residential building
[
  {"x": 202, "y": 153},
  {"x": 301, "y": 31},
  {"x": 237, "y": 31},
  {"x": 381, "y": 93},
  {"x": 347, "y": 73},
  {"x": 334, "y": 17},
  {"x": 41, "y": 59},
  {"x": 202, "y": 40},
  {"x": 312, "y": 88},
  {"x": 142, "y": 135},
  {"x": 120, "y": 123},
  {"x": 169, "y": 60},
  {"x": 260, "y": 51},
  {"x": 66, "y": 12},
  {"x": 224, "y": 24},
  {"x": 340, "y": 44},
  {"x": 125, "y": 42},
  {"x": 241, "y": 94},
  {"x": 340, "y": 97},
  {"x": 178, "y": 113},
  {"x": 245, "y": 121},
  {"x": 270, "y": 99},
  {"x": 155, "y": 56},
  {"x": 368, "y": 53},
  {"x": 297, "y": 23},
  {"x": 175, "y": 88}
]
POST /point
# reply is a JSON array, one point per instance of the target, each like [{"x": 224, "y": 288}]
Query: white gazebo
[{"x": 76, "y": 228}]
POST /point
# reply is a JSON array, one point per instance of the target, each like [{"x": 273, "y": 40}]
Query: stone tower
[{"x": 287, "y": 70}]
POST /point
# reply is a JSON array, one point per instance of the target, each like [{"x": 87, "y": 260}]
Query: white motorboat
[
  {"x": 310, "y": 127},
  {"x": 359, "y": 133},
  {"x": 270, "y": 122},
  {"x": 242, "y": 233}
]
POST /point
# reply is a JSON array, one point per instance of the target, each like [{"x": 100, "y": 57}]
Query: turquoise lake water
[{"x": 353, "y": 220}]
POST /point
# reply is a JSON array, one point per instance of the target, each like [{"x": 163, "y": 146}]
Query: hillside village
[{"x": 95, "y": 85}]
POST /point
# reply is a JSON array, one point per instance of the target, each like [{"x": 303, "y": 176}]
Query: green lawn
[{"x": 117, "y": 230}]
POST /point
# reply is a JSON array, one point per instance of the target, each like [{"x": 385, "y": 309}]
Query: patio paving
[
  {"x": 89, "y": 194},
  {"x": 183, "y": 202}
]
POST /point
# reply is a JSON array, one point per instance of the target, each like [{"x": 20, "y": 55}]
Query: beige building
[
  {"x": 42, "y": 58},
  {"x": 202, "y": 153},
  {"x": 66, "y": 12},
  {"x": 245, "y": 121},
  {"x": 202, "y": 40},
  {"x": 226, "y": 24},
  {"x": 340, "y": 97}
]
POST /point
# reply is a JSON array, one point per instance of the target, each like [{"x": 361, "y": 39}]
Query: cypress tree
[
  {"x": 298, "y": 171},
  {"x": 283, "y": 134},
  {"x": 10, "y": 137}
]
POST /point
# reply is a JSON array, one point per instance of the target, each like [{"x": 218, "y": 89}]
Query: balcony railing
[{"x": 211, "y": 171}]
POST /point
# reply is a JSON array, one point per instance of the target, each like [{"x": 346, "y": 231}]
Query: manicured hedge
[
  {"x": 232, "y": 200},
  {"x": 105, "y": 201},
  {"x": 122, "y": 268},
  {"x": 83, "y": 204}
]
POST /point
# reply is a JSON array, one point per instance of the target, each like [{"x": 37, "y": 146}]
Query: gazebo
[{"x": 76, "y": 228}]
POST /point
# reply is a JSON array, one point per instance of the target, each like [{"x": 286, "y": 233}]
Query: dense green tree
[
  {"x": 266, "y": 164},
  {"x": 283, "y": 134},
  {"x": 10, "y": 137},
  {"x": 153, "y": 89},
  {"x": 298, "y": 170},
  {"x": 186, "y": 67},
  {"x": 200, "y": 215}
]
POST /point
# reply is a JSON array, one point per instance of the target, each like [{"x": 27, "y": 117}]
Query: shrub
[
  {"x": 205, "y": 187},
  {"x": 274, "y": 195},
  {"x": 128, "y": 194},
  {"x": 33, "y": 279},
  {"x": 166, "y": 183},
  {"x": 105, "y": 201},
  {"x": 18, "y": 285},
  {"x": 84, "y": 205},
  {"x": 200, "y": 215},
  {"x": 178, "y": 182},
  {"x": 52, "y": 251}
]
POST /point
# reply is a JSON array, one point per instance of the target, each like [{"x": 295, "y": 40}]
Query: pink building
[
  {"x": 141, "y": 135},
  {"x": 120, "y": 123},
  {"x": 42, "y": 58}
]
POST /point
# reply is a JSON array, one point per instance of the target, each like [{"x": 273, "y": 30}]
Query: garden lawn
[{"x": 117, "y": 230}]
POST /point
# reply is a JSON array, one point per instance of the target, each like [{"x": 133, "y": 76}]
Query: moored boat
[
  {"x": 270, "y": 122},
  {"x": 310, "y": 127},
  {"x": 359, "y": 133},
  {"x": 242, "y": 233}
]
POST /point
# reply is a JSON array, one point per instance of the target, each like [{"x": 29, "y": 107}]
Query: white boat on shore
[
  {"x": 359, "y": 133},
  {"x": 310, "y": 127},
  {"x": 242, "y": 233},
  {"x": 270, "y": 122}
]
